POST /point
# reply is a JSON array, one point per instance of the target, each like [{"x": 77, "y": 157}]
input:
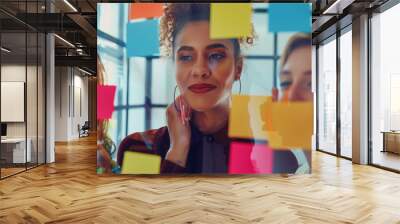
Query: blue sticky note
[
  {"x": 143, "y": 38},
  {"x": 290, "y": 17}
]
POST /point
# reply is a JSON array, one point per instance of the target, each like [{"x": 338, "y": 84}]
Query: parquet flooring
[
  {"x": 10, "y": 171},
  {"x": 69, "y": 191}
]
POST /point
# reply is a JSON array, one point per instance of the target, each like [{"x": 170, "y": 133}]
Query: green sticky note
[
  {"x": 230, "y": 20},
  {"x": 100, "y": 170},
  {"x": 141, "y": 163}
]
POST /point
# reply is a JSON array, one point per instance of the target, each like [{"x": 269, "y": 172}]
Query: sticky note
[
  {"x": 275, "y": 139},
  {"x": 105, "y": 101},
  {"x": 247, "y": 158},
  {"x": 289, "y": 17},
  {"x": 145, "y": 10},
  {"x": 140, "y": 163},
  {"x": 293, "y": 124},
  {"x": 230, "y": 20},
  {"x": 262, "y": 158},
  {"x": 143, "y": 38},
  {"x": 247, "y": 119}
]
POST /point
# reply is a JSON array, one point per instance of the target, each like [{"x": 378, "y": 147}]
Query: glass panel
[
  {"x": 32, "y": 99},
  {"x": 114, "y": 61},
  {"x": 327, "y": 97},
  {"x": 13, "y": 86},
  {"x": 106, "y": 24},
  {"x": 41, "y": 100},
  {"x": 346, "y": 94},
  {"x": 136, "y": 120},
  {"x": 283, "y": 39},
  {"x": 137, "y": 80},
  {"x": 257, "y": 77},
  {"x": 385, "y": 84},
  {"x": 32, "y": 88},
  {"x": 264, "y": 43},
  {"x": 163, "y": 81},
  {"x": 314, "y": 89},
  {"x": 158, "y": 118}
]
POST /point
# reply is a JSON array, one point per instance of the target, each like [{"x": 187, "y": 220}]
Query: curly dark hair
[{"x": 177, "y": 15}]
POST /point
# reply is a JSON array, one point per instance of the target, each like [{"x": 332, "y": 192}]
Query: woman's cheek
[
  {"x": 224, "y": 73},
  {"x": 181, "y": 76}
]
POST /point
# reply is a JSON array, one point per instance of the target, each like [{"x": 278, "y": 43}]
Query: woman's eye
[
  {"x": 216, "y": 57},
  {"x": 285, "y": 84},
  {"x": 185, "y": 58}
]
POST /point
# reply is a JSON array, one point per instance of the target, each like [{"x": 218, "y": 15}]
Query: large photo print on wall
[{"x": 205, "y": 88}]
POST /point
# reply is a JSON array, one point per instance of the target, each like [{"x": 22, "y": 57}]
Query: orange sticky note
[
  {"x": 140, "y": 163},
  {"x": 293, "y": 124},
  {"x": 247, "y": 119},
  {"x": 145, "y": 10}
]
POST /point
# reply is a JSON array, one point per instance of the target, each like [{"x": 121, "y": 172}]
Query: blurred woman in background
[{"x": 295, "y": 86}]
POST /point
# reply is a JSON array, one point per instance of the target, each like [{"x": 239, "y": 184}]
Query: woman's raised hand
[{"x": 179, "y": 131}]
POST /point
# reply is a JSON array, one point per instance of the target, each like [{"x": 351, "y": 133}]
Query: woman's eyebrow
[
  {"x": 185, "y": 48},
  {"x": 307, "y": 72},
  {"x": 286, "y": 72},
  {"x": 213, "y": 46}
]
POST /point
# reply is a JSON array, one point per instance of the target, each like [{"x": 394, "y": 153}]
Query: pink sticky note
[
  {"x": 105, "y": 101},
  {"x": 246, "y": 158}
]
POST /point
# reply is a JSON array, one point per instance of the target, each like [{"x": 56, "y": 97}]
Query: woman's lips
[{"x": 201, "y": 88}]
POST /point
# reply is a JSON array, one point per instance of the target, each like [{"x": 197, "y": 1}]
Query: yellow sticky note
[
  {"x": 293, "y": 124},
  {"x": 246, "y": 118},
  {"x": 141, "y": 163},
  {"x": 274, "y": 139},
  {"x": 230, "y": 20}
]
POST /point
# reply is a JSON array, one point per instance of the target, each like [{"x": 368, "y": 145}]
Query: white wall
[
  {"x": 71, "y": 87},
  {"x": 61, "y": 103},
  {"x": 34, "y": 125},
  {"x": 16, "y": 73}
]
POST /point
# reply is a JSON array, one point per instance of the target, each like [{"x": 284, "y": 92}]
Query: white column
[
  {"x": 360, "y": 90},
  {"x": 50, "y": 94}
]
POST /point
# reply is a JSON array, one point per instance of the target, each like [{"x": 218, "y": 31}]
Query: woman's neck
[{"x": 211, "y": 121}]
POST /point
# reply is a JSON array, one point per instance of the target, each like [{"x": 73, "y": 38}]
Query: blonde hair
[
  {"x": 296, "y": 41},
  {"x": 105, "y": 146}
]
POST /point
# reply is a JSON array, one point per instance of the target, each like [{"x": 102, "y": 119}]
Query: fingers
[
  {"x": 182, "y": 110},
  {"x": 185, "y": 111}
]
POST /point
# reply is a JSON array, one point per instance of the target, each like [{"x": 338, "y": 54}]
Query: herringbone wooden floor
[{"x": 69, "y": 191}]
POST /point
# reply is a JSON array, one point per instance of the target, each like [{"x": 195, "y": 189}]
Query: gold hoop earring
[{"x": 240, "y": 87}]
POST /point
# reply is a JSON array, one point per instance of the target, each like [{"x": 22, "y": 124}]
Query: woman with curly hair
[{"x": 195, "y": 139}]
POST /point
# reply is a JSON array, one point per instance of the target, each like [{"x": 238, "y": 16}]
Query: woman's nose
[
  {"x": 295, "y": 93},
  {"x": 201, "y": 69}
]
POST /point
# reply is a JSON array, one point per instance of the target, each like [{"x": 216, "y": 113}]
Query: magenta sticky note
[
  {"x": 248, "y": 158},
  {"x": 105, "y": 101}
]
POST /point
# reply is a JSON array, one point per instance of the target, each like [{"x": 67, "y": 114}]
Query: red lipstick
[{"x": 201, "y": 87}]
